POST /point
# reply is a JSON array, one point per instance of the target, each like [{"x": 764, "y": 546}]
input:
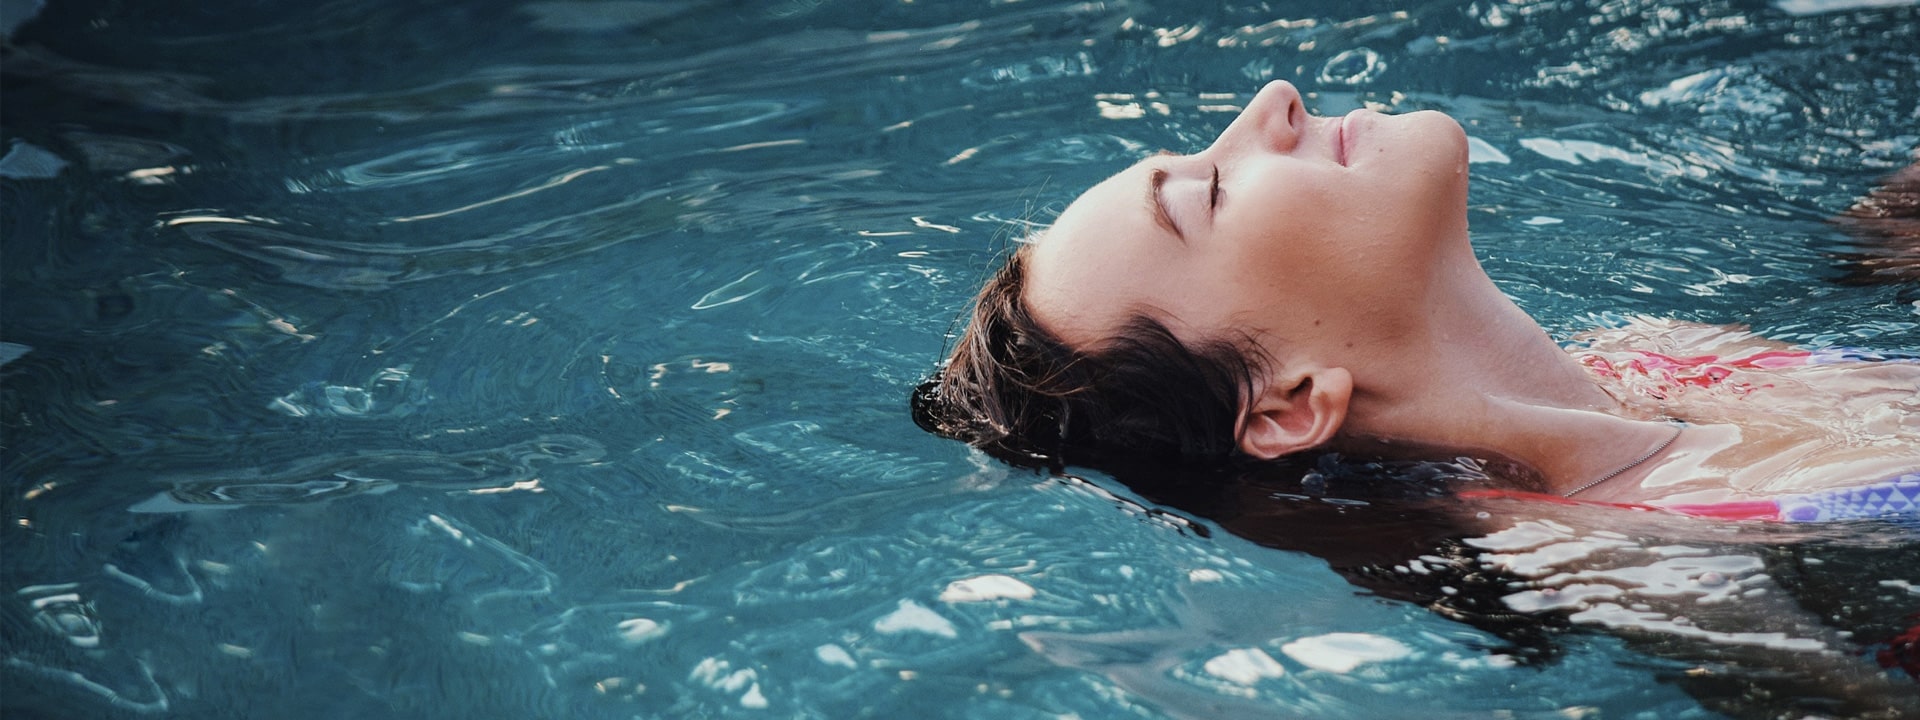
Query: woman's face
[{"x": 1289, "y": 226}]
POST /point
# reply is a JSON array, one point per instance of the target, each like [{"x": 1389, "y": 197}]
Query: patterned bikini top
[
  {"x": 1896, "y": 498},
  {"x": 1893, "y": 499}
]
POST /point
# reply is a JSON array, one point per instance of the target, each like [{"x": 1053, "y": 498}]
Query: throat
[
  {"x": 1482, "y": 342},
  {"x": 1481, "y": 378}
]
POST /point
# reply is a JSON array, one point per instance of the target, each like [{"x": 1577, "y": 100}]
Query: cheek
[
  {"x": 1312, "y": 229},
  {"x": 1420, "y": 200},
  {"x": 1348, "y": 265}
]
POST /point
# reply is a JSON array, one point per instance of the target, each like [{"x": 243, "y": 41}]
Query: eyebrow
[{"x": 1159, "y": 205}]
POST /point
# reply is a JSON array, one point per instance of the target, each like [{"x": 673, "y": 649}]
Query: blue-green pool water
[{"x": 550, "y": 359}]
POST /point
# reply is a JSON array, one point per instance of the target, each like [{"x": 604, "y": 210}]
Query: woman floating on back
[{"x": 1307, "y": 284}]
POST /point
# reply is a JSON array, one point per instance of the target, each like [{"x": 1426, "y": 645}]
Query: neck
[{"x": 1483, "y": 378}]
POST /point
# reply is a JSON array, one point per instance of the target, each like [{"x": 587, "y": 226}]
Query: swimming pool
[{"x": 550, "y": 360}]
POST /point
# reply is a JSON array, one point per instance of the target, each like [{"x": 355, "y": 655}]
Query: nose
[{"x": 1272, "y": 122}]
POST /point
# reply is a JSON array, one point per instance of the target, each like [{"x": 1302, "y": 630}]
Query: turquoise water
[{"x": 551, "y": 360}]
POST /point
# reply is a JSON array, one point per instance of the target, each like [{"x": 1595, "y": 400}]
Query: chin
[
  {"x": 1441, "y": 136},
  {"x": 1442, "y": 147},
  {"x": 1430, "y": 166},
  {"x": 1434, "y": 177},
  {"x": 1428, "y": 143}
]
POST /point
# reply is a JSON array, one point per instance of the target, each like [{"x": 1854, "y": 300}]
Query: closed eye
[{"x": 1213, "y": 192}]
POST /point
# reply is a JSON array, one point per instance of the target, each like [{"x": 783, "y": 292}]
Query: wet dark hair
[{"x": 1017, "y": 391}]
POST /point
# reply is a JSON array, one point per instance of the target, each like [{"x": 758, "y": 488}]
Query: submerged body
[{"x": 1763, "y": 420}]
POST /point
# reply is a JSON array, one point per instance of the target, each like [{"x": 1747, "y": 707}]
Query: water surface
[{"x": 480, "y": 360}]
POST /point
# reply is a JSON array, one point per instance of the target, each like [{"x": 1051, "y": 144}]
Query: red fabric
[
  {"x": 1700, "y": 371},
  {"x": 1738, "y": 510},
  {"x": 1903, "y": 651}
]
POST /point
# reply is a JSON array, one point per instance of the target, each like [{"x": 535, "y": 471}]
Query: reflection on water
[
  {"x": 440, "y": 359},
  {"x": 1754, "y": 619}
]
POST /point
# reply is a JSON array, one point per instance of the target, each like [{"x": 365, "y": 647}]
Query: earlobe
[{"x": 1294, "y": 414}]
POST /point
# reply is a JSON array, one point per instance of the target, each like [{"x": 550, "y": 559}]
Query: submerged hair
[{"x": 1018, "y": 392}]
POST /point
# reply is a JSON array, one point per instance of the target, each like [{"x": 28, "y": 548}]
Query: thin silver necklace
[{"x": 1677, "y": 428}]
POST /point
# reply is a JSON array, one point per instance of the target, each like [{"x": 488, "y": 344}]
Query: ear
[{"x": 1294, "y": 413}]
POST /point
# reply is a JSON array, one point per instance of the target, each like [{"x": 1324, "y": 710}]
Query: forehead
[{"x": 1093, "y": 269}]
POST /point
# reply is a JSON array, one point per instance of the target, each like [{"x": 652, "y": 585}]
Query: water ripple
[
  {"x": 321, "y": 478},
  {"x": 308, "y": 257}
]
